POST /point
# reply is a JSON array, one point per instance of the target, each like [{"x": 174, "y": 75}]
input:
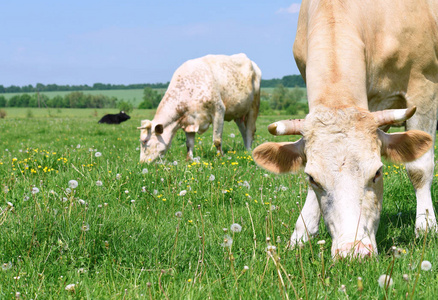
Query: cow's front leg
[
  {"x": 190, "y": 143},
  {"x": 308, "y": 220},
  {"x": 420, "y": 171},
  {"x": 218, "y": 126}
]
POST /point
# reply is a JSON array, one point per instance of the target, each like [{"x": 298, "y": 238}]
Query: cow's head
[
  {"x": 153, "y": 142},
  {"x": 123, "y": 116},
  {"x": 341, "y": 153}
]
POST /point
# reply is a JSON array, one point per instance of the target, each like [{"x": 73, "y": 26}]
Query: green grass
[{"x": 136, "y": 248}]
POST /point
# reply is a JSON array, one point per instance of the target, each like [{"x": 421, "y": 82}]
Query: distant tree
[
  {"x": 14, "y": 101},
  {"x": 3, "y": 101},
  {"x": 125, "y": 106},
  {"x": 151, "y": 99}
]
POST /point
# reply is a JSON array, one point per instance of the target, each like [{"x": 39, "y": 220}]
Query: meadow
[{"x": 80, "y": 218}]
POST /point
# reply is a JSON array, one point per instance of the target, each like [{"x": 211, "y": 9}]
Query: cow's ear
[
  {"x": 280, "y": 157},
  {"x": 404, "y": 146},
  {"x": 159, "y": 128},
  {"x": 191, "y": 128}
]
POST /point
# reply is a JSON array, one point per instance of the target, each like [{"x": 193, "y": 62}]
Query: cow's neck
[{"x": 336, "y": 70}]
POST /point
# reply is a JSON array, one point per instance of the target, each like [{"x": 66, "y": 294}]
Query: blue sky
[{"x": 124, "y": 42}]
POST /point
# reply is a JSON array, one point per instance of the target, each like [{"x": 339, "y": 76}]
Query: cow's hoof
[{"x": 354, "y": 250}]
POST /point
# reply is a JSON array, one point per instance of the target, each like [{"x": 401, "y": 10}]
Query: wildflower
[
  {"x": 98, "y": 154},
  {"x": 271, "y": 248},
  {"x": 232, "y": 135},
  {"x": 26, "y": 198},
  {"x": 283, "y": 188},
  {"x": 143, "y": 189},
  {"x": 406, "y": 277},
  {"x": 321, "y": 242},
  {"x": 182, "y": 193},
  {"x": 196, "y": 159},
  {"x": 85, "y": 227},
  {"x": 145, "y": 171},
  {"x": 225, "y": 230},
  {"x": 81, "y": 201},
  {"x": 126, "y": 192},
  {"x": 245, "y": 268},
  {"x": 118, "y": 176},
  {"x": 73, "y": 184},
  {"x": 10, "y": 205},
  {"x": 426, "y": 265},
  {"x": 246, "y": 184},
  {"x": 6, "y": 189},
  {"x": 175, "y": 163},
  {"x": 132, "y": 201},
  {"x": 78, "y": 146},
  {"x": 211, "y": 178},
  {"x": 359, "y": 284},
  {"x": 155, "y": 192},
  {"x": 236, "y": 227},
  {"x": 398, "y": 252},
  {"x": 228, "y": 241},
  {"x": 343, "y": 288},
  {"x": 99, "y": 183},
  {"x": 6, "y": 266},
  {"x": 278, "y": 239},
  {"x": 68, "y": 190},
  {"x": 35, "y": 190},
  {"x": 178, "y": 214},
  {"x": 385, "y": 280},
  {"x": 81, "y": 270},
  {"x": 64, "y": 199},
  {"x": 70, "y": 287}
]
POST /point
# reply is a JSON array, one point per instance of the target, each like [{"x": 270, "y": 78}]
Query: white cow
[
  {"x": 203, "y": 91},
  {"x": 364, "y": 63}
]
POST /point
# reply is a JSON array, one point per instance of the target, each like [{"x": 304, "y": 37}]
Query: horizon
[{"x": 83, "y": 43}]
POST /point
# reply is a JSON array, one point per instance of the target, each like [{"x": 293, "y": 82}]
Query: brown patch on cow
[{"x": 417, "y": 178}]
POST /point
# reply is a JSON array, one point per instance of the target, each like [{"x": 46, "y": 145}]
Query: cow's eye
[
  {"x": 312, "y": 181},
  {"x": 378, "y": 175}
]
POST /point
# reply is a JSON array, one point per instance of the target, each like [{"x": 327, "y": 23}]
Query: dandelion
[
  {"x": 132, "y": 201},
  {"x": 64, "y": 199},
  {"x": 232, "y": 135},
  {"x": 6, "y": 189},
  {"x": 175, "y": 163},
  {"x": 155, "y": 192},
  {"x": 145, "y": 171},
  {"x": 26, "y": 198},
  {"x": 228, "y": 241},
  {"x": 98, "y": 154},
  {"x": 426, "y": 265},
  {"x": 271, "y": 248},
  {"x": 246, "y": 268},
  {"x": 35, "y": 190},
  {"x": 143, "y": 189},
  {"x": 85, "y": 227},
  {"x": 182, "y": 193},
  {"x": 6, "y": 266},
  {"x": 343, "y": 288},
  {"x": 406, "y": 277},
  {"x": 126, "y": 192},
  {"x": 246, "y": 184},
  {"x": 68, "y": 190},
  {"x": 118, "y": 176},
  {"x": 178, "y": 214},
  {"x": 99, "y": 183},
  {"x": 82, "y": 202},
  {"x": 236, "y": 227},
  {"x": 321, "y": 242},
  {"x": 211, "y": 178},
  {"x": 78, "y": 146},
  {"x": 73, "y": 184},
  {"x": 385, "y": 280},
  {"x": 70, "y": 287},
  {"x": 10, "y": 205}
]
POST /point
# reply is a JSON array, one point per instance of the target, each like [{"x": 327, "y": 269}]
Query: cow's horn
[
  {"x": 392, "y": 116},
  {"x": 286, "y": 127},
  {"x": 145, "y": 124}
]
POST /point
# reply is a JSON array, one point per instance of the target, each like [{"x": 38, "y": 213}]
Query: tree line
[{"x": 287, "y": 81}]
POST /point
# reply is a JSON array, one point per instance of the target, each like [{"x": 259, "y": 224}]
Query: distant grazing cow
[
  {"x": 206, "y": 90},
  {"x": 115, "y": 118},
  {"x": 364, "y": 62}
]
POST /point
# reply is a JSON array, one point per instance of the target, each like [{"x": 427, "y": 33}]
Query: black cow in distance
[{"x": 115, "y": 118}]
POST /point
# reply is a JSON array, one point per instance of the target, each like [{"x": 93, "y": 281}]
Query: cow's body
[
  {"x": 208, "y": 90},
  {"x": 115, "y": 118},
  {"x": 357, "y": 57}
]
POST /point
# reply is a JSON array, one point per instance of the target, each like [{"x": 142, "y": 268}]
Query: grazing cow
[
  {"x": 367, "y": 64},
  {"x": 115, "y": 118},
  {"x": 203, "y": 91}
]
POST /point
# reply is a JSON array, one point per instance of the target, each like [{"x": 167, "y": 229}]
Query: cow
[
  {"x": 367, "y": 65},
  {"x": 203, "y": 91},
  {"x": 115, "y": 118}
]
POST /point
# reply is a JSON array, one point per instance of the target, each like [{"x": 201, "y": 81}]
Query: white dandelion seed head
[
  {"x": 85, "y": 227},
  {"x": 183, "y": 193},
  {"x": 175, "y": 163},
  {"x": 426, "y": 265},
  {"x": 155, "y": 192},
  {"x": 405, "y": 277},
  {"x": 236, "y": 227},
  {"x": 82, "y": 202},
  {"x": 232, "y": 135},
  {"x": 321, "y": 242},
  {"x": 212, "y": 177},
  {"x": 126, "y": 192},
  {"x": 6, "y": 266},
  {"x": 385, "y": 280},
  {"x": 73, "y": 184},
  {"x": 35, "y": 190},
  {"x": 70, "y": 287},
  {"x": 271, "y": 248},
  {"x": 132, "y": 201},
  {"x": 196, "y": 159},
  {"x": 78, "y": 146},
  {"x": 245, "y": 267},
  {"x": 144, "y": 171},
  {"x": 98, "y": 154},
  {"x": 10, "y": 205},
  {"x": 26, "y": 198},
  {"x": 118, "y": 176},
  {"x": 6, "y": 189},
  {"x": 228, "y": 241},
  {"x": 99, "y": 183},
  {"x": 68, "y": 190},
  {"x": 162, "y": 179},
  {"x": 178, "y": 214},
  {"x": 342, "y": 288},
  {"x": 64, "y": 199},
  {"x": 143, "y": 189}
]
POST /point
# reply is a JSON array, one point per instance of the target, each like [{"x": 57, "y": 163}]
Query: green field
[{"x": 134, "y": 231}]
